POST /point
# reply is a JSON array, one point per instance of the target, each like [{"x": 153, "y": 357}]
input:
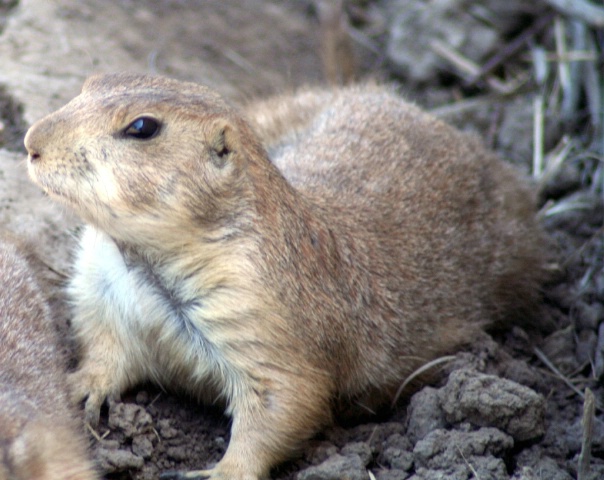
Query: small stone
[
  {"x": 543, "y": 468},
  {"x": 392, "y": 474},
  {"x": 142, "y": 445},
  {"x": 397, "y": 453},
  {"x": 397, "y": 459},
  {"x": 442, "y": 449},
  {"x": 129, "y": 418},
  {"x": 320, "y": 452},
  {"x": 112, "y": 461},
  {"x": 166, "y": 430},
  {"x": 381, "y": 432},
  {"x": 361, "y": 449},
  {"x": 177, "y": 453},
  {"x": 336, "y": 467},
  {"x": 487, "y": 400},
  {"x": 425, "y": 414}
]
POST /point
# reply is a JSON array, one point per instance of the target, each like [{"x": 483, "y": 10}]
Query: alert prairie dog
[
  {"x": 40, "y": 438},
  {"x": 312, "y": 248}
]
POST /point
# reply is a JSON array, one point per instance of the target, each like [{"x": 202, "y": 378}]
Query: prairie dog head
[{"x": 133, "y": 154}]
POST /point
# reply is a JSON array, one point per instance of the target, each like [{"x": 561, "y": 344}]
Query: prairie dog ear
[{"x": 224, "y": 141}]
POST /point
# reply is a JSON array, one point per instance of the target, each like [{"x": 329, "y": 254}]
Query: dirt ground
[{"x": 511, "y": 406}]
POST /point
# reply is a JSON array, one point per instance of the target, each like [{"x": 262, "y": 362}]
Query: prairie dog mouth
[{"x": 51, "y": 185}]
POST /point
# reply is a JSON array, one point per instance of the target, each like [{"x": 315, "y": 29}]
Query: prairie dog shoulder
[
  {"x": 314, "y": 247},
  {"x": 39, "y": 434}
]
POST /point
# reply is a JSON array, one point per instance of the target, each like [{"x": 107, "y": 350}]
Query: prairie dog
[
  {"x": 312, "y": 248},
  {"x": 40, "y": 438}
]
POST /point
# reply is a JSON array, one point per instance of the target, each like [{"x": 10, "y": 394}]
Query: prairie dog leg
[
  {"x": 107, "y": 321},
  {"x": 103, "y": 373},
  {"x": 268, "y": 427}
]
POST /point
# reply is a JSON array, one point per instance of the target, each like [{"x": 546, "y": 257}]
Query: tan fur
[
  {"x": 375, "y": 239},
  {"x": 40, "y": 438}
]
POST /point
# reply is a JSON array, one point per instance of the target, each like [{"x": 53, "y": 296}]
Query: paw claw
[{"x": 95, "y": 389}]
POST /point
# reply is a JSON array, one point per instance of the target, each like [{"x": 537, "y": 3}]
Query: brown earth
[{"x": 496, "y": 411}]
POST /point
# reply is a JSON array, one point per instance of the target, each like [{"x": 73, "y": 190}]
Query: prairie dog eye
[{"x": 142, "y": 128}]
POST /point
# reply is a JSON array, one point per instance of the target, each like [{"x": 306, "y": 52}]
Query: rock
[
  {"x": 424, "y": 414},
  {"x": 475, "y": 467},
  {"x": 382, "y": 432},
  {"x": 166, "y": 430},
  {"x": 178, "y": 454},
  {"x": 521, "y": 372},
  {"x": 361, "y": 449},
  {"x": 321, "y": 452},
  {"x": 397, "y": 453},
  {"x": 543, "y": 468},
  {"x": 115, "y": 460},
  {"x": 142, "y": 445},
  {"x": 488, "y": 468},
  {"x": 487, "y": 400},
  {"x": 129, "y": 418},
  {"x": 375, "y": 433},
  {"x": 391, "y": 475},
  {"x": 442, "y": 449},
  {"x": 336, "y": 467}
]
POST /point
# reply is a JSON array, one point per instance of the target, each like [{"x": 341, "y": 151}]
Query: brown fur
[
  {"x": 375, "y": 239},
  {"x": 39, "y": 436}
]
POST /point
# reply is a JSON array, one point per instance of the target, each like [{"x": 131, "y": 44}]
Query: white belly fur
[{"x": 111, "y": 296}]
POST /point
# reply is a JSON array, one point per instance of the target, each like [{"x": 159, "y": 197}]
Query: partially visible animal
[
  {"x": 40, "y": 435},
  {"x": 311, "y": 249}
]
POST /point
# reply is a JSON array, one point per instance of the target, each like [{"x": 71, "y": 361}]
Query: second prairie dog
[
  {"x": 40, "y": 438},
  {"x": 319, "y": 251}
]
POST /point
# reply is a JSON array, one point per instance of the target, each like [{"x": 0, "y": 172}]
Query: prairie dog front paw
[
  {"x": 96, "y": 385},
  {"x": 103, "y": 374}
]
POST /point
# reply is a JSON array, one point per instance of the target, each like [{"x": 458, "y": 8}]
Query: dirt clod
[
  {"x": 485, "y": 400},
  {"x": 424, "y": 414},
  {"x": 113, "y": 459},
  {"x": 397, "y": 453},
  {"x": 449, "y": 449},
  {"x": 336, "y": 467}
]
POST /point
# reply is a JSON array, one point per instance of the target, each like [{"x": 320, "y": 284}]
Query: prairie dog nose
[
  {"x": 33, "y": 141},
  {"x": 29, "y": 143}
]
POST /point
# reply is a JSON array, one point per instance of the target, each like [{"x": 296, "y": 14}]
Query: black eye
[{"x": 142, "y": 128}]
